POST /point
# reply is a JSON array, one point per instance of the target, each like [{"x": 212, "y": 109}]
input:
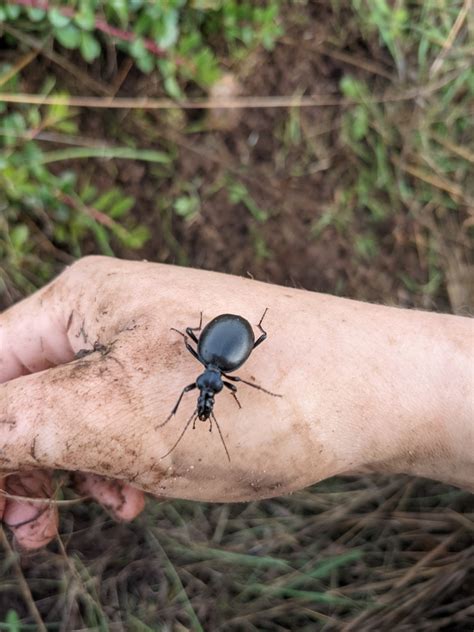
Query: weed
[
  {"x": 170, "y": 36},
  {"x": 43, "y": 211},
  {"x": 407, "y": 155},
  {"x": 239, "y": 194}
]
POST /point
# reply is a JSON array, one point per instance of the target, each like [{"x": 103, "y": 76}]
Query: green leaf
[
  {"x": 19, "y": 235},
  {"x": 121, "y": 9},
  {"x": 12, "y": 11},
  {"x": 207, "y": 69},
  {"x": 102, "y": 239},
  {"x": 85, "y": 18},
  {"x": 90, "y": 47},
  {"x": 58, "y": 19},
  {"x": 67, "y": 127},
  {"x": 172, "y": 88},
  {"x": 360, "y": 123},
  {"x": 137, "y": 237},
  {"x": 105, "y": 200},
  {"x": 88, "y": 194},
  {"x": 13, "y": 621},
  {"x": 32, "y": 152},
  {"x": 137, "y": 47},
  {"x": 121, "y": 208},
  {"x": 129, "y": 153},
  {"x": 68, "y": 36},
  {"x": 33, "y": 117},
  {"x": 36, "y": 15},
  {"x": 146, "y": 62},
  {"x": 187, "y": 206},
  {"x": 352, "y": 88},
  {"x": 169, "y": 30}
]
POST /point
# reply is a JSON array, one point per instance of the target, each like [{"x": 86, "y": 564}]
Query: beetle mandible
[{"x": 224, "y": 345}]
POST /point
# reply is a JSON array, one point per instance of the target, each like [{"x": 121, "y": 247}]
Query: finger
[
  {"x": 33, "y": 335},
  {"x": 51, "y": 325},
  {"x": 34, "y": 523},
  {"x": 122, "y": 500}
]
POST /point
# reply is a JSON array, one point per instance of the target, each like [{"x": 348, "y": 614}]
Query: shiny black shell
[{"x": 226, "y": 342}]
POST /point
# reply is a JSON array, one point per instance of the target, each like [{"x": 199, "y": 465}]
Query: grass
[
  {"x": 368, "y": 198},
  {"x": 350, "y": 553}
]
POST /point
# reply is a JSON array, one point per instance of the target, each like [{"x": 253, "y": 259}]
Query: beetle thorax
[{"x": 209, "y": 383}]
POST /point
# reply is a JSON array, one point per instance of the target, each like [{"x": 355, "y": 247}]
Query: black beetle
[{"x": 223, "y": 346}]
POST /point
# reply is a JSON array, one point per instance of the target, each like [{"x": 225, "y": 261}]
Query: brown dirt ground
[{"x": 253, "y": 151}]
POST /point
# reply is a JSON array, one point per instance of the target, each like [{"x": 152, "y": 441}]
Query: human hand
[{"x": 360, "y": 389}]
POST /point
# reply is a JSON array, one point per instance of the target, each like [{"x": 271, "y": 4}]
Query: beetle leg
[
  {"x": 191, "y": 419},
  {"x": 192, "y": 351},
  {"x": 233, "y": 391},
  {"x": 264, "y": 333},
  {"x": 190, "y": 331},
  {"x": 186, "y": 389},
  {"x": 235, "y": 378}
]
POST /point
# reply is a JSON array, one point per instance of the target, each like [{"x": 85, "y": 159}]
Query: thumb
[
  {"x": 55, "y": 412},
  {"x": 33, "y": 334}
]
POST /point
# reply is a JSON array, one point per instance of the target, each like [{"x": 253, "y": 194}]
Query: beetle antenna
[
  {"x": 236, "y": 378},
  {"x": 192, "y": 418},
  {"x": 220, "y": 434}
]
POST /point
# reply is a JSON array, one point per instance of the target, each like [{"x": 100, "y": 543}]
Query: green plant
[
  {"x": 41, "y": 210},
  {"x": 12, "y": 622},
  {"x": 391, "y": 21},
  {"x": 239, "y": 194},
  {"x": 173, "y": 36}
]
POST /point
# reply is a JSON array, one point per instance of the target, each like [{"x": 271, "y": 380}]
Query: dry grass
[{"x": 349, "y": 554}]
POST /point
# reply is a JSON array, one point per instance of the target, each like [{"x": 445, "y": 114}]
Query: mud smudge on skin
[
  {"x": 8, "y": 422},
  {"x": 69, "y": 321},
  {"x": 33, "y": 448}
]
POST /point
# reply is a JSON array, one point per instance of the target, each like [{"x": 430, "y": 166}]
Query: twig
[
  {"x": 16, "y": 68},
  {"x": 454, "y": 32},
  {"x": 437, "y": 181},
  {"x": 48, "y": 502},
  {"x": 98, "y": 216},
  {"x": 244, "y": 102}
]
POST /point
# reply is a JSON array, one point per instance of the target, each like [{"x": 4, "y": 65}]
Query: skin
[{"x": 365, "y": 388}]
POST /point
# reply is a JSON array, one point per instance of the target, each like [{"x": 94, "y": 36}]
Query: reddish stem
[{"x": 98, "y": 216}]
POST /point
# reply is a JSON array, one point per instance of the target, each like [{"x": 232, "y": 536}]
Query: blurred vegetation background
[{"x": 368, "y": 193}]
